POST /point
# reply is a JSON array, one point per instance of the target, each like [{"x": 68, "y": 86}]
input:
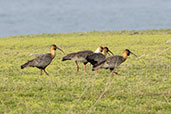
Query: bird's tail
[
  {"x": 68, "y": 57},
  {"x": 28, "y": 64},
  {"x": 97, "y": 66}
]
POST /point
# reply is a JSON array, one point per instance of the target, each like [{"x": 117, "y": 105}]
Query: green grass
[{"x": 143, "y": 86}]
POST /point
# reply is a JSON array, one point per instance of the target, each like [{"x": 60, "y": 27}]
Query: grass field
[{"x": 143, "y": 86}]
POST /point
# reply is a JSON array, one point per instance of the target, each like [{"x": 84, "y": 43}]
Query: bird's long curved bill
[
  {"x": 60, "y": 49},
  {"x": 133, "y": 54},
  {"x": 110, "y": 52}
]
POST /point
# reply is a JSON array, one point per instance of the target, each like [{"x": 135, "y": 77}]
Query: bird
[
  {"x": 113, "y": 61},
  {"x": 96, "y": 58},
  {"x": 43, "y": 60},
  {"x": 80, "y": 56}
]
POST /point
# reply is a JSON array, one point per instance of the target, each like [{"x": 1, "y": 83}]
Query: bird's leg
[
  {"x": 96, "y": 71},
  {"x": 85, "y": 67},
  {"x": 46, "y": 72},
  {"x": 111, "y": 70},
  {"x": 40, "y": 71},
  {"x": 77, "y": 66},
  {"x": 116, "y": 73}
]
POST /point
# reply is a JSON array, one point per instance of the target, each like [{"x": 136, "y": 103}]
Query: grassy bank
[{"x": 143, "y": 86}]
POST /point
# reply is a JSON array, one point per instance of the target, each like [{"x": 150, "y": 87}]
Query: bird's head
[
  {"x": 54, "y": 47},
  {"x": 99, "y": 49},
  {"x": 106, "y": 51},
  {"x": 128, "y": 52}
]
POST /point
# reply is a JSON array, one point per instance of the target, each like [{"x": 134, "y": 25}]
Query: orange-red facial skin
[
  {"x": 53, "y": 51},
  {"x": 125, "y": 54}
]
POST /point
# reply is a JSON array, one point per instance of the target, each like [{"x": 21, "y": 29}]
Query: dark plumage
[
  {"x": 80, "y": 57},
  {"x": 96, "y": 58},
  {"x": 113, "y": 61},
  {"x": 43, "y": 60}
]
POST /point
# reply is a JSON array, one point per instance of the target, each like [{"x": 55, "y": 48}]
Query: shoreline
[{"x": 121, "y": 32}]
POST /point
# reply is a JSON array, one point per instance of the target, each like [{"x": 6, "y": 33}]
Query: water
[{"x": 19, "y": 17}]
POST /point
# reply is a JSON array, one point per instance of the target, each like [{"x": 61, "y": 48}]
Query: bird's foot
[
  {"x": 46, "y": 72},
  {"x": 97, "y": 72},
  {"x": 85, "y": 72},
  {"x": 116, "y": 73}
]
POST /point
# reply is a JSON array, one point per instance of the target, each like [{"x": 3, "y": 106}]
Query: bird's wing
[
  {"x": 41, "y": 61},
  {"x": 110, "y": 62},
  {"x": 113, "y": 61},
  {"x": 78, "y": 56},
  {"x": 95, "y": 58},
  {"x": 84, "y": 54}
]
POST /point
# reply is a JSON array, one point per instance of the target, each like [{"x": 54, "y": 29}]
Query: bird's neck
[
  {"x": 53, "y": 53},
  {"x": 124, "y": 57},
  {"x": 104, "y": 53},
  {"x": 97, "y": 51}
]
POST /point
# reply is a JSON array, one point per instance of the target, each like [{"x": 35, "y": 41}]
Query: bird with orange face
[
  {"x": 43, "y": 60},
  {"x": 113, "y": 61}
]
